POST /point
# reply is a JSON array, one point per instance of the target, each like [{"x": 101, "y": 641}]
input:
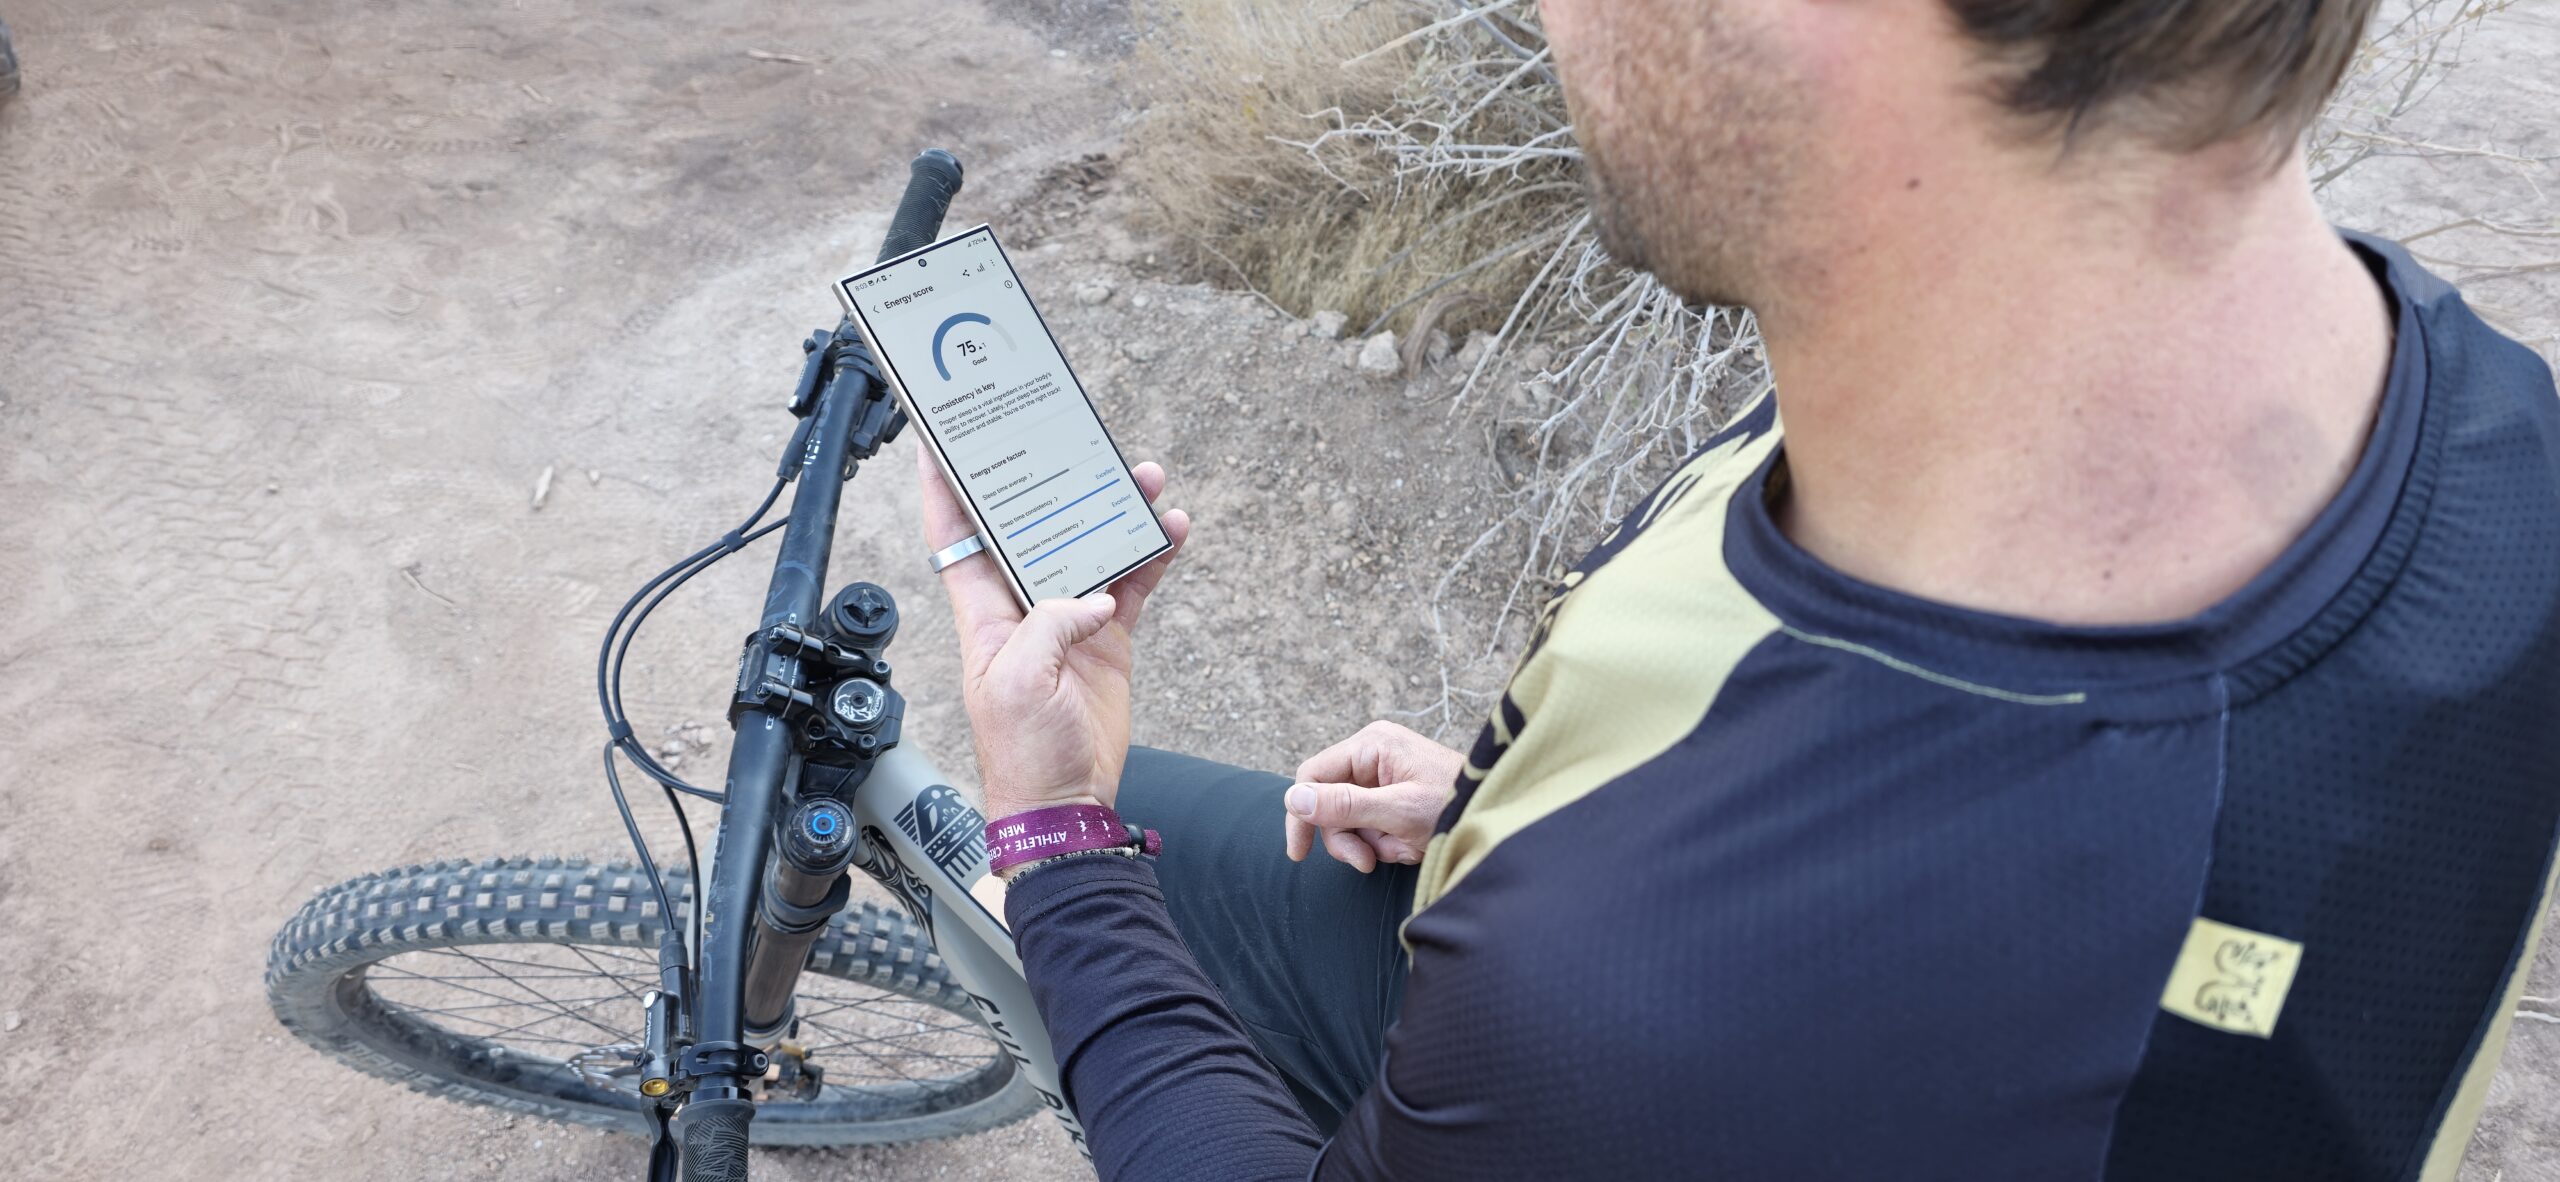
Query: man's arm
[
  {"x": 1161, "y": 1074},
  {"x": 1155, "y": 1066}
]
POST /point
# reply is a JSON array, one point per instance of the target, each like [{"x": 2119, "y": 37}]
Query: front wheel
[{"x": 518, "y": 983}]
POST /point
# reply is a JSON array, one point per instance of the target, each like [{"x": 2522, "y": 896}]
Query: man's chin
[
  {"x": 1623, "y": 238},
  {"x": 1611, "y": 220}
]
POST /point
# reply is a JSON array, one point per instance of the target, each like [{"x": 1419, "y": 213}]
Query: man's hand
[
  {"x": 1375, "y": 796},
  {"x": 1047, "y": 691}
]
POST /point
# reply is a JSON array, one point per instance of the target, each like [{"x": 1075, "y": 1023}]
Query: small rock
[
  {"x": 1378, "y": 354},
  {"x": 12, "y": 1020},
  {"x": 1136, "y": 350},
  {"x": 671, "y": 748},
  {"x": 1139, "y": 301},
  {"x": 1093, "y": 293},
  {"x": 542, "y": 485},
  {"x": 1473, "y": 352},
  {"x": 1327, "y": 324}
]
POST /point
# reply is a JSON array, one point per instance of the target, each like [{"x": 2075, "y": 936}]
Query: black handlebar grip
[
  {"x": 932, "y": 181},
  {"x": 712, "y": 1137}
]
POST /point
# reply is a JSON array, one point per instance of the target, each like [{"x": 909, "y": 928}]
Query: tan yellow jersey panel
[{"x": 1629, "y": 656}]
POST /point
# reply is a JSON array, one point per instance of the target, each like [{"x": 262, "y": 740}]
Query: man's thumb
[
  {"x": 1056, "y": 625},
  {"x": 1336, "y": 806}
]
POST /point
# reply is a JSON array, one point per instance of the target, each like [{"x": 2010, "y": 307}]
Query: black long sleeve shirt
[{"x": 1762, "y": 872}]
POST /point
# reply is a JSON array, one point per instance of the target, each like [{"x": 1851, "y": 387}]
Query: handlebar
[
  {"x": 933, "y": 179},
  {"x": 711, "y": 1129}
]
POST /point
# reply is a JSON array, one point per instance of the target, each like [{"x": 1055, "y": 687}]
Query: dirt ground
[{"x": 297, "y": 304}]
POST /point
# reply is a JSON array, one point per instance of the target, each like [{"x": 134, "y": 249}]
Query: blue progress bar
[
  {"x": 1078, "y": 538},
  {"x": 1060, "y": 509}
]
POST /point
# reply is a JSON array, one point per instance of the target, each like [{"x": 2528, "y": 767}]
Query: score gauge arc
[{"x": 941, "y": 363}]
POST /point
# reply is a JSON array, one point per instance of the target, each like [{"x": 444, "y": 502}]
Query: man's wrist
[{"x": 1000, "y": 807}]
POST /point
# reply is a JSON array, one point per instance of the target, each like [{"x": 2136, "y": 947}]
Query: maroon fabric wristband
[{"x": 1062, "y": 829}]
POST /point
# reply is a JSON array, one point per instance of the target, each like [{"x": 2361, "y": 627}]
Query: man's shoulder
[{"x": 2465, "y": 354}]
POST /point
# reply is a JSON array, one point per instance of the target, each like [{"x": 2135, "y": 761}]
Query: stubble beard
[{"x": 1690, "y": 185}]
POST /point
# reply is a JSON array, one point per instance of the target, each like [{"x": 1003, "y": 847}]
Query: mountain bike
[{"x": 767, "y": 1007}]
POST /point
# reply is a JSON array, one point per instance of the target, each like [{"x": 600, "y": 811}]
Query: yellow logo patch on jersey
[{"x": 2231, "y": 978}]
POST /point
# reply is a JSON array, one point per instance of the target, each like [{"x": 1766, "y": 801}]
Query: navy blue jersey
[{"x": 1762, "y": 872}]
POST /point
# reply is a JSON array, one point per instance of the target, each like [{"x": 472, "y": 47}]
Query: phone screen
[{"x": 983, "y": 377}]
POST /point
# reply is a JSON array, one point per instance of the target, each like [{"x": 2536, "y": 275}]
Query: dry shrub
[{"x": 1252, "y": 152}]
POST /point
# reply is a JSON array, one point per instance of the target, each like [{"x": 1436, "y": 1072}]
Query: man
[{"x": 2099, "y": 721}]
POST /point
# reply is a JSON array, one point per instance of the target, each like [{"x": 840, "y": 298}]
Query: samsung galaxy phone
[{"x": 983, "y": 378}]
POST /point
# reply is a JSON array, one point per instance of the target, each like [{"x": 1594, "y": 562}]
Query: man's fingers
[
  {"x": 1374, "y": 755},
  {"x": 1348, "y": 849},
  {"x": 945, "y": 521},
  {"x": 982, "y": 604},
  {"x": 1037, "y": 650},
  {"x": 1343, "y": 762},
  {"x": 1392, "y": 848},
  {"x": 1403, "y": 809},
  {"x": 1299, "y": 838},
  {"x": 1133, "y": 590}
]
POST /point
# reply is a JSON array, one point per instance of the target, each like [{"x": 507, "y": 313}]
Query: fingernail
[{"x": 1302, "y": 800}]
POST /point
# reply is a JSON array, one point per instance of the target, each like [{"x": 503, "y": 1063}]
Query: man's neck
[{"x": 2083, "y": 411}]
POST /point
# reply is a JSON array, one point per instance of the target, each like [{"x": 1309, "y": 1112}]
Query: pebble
[
  {"x": 1139, "y": 301},
  {"x": 1327, "y": 324},
  {"x": 1378, "y": 354},
  {"x": 1090, "y": 294},
  {"x": 12, "y": 1020},
  {"x": 1138, "y": 350}
]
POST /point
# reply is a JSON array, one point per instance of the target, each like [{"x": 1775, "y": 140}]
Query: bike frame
[
  {"x": 918, "y": 836},
  {"x": 930, "y": 866}
]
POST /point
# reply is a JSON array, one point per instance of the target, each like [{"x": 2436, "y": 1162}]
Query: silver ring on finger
[{"x": 951, "y": 555}]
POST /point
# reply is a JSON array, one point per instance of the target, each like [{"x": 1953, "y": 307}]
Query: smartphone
[{"x": 982, "y": 377}]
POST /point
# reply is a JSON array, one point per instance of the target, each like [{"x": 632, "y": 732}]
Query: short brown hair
[{"x": 2184, "y": 73}]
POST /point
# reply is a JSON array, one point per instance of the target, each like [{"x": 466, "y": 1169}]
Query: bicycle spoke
[
  {"x": 495, "y": 1005},
  {"x": 909, "y": 1025},
  {"x": 859, "y": 1043},
  {"x": 632, "y": 993},
  {"x": 540, "y": 996},
  {"x": 579, "y": 1012}
]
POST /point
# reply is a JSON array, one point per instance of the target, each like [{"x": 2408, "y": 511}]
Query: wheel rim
[{"x": 511, "y": 1015}]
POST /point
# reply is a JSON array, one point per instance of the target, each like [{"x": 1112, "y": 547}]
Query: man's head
[{"x": 1731, "y": 142}]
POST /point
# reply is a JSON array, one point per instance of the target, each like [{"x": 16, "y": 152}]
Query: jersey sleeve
[{"x": 1166, "y": 1082}]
